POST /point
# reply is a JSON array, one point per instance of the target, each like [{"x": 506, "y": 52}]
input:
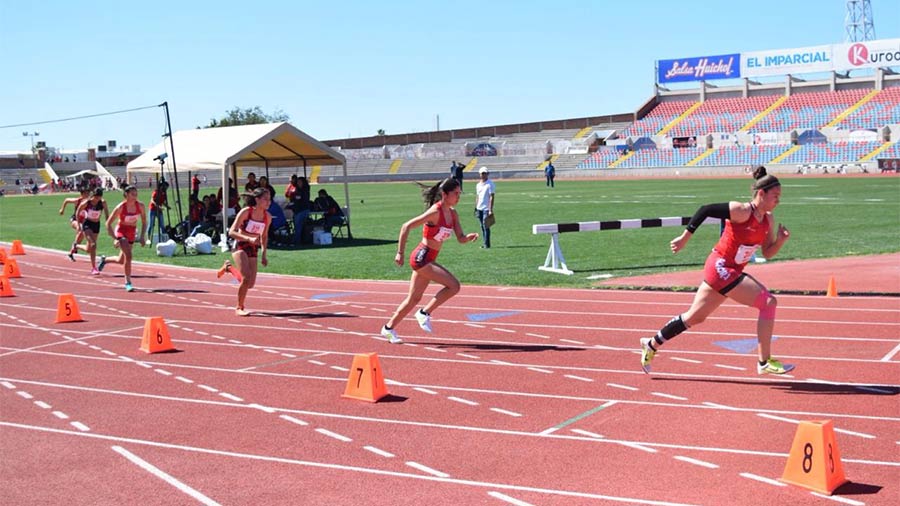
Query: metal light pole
[{"x": 33, "y": 152}]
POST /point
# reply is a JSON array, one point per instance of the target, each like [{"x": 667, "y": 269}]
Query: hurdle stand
[{"x": 555, "y": 262}]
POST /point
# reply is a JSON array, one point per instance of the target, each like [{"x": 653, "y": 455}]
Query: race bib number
[
  {"x": 744, "y": 253},
  {"x": 130, "y": 219},
  {"x": 93, "y": 214},
  {"x": 443, "y": 234},
  {"x": 254, "y": 227}
]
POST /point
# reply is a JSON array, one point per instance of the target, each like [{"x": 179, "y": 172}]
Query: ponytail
[{"x": 432, "y": 194}]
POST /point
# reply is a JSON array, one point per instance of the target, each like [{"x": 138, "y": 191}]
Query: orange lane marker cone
[
  {"x": 156, "y": 336},
  {"x": 67, "y": 309},
  {"x": 11, "y": 268},
  {"x": 17, "y": 248},
  {"x": 815, "y": 460},
  {"x": 832, "y": 288},
  {"x": 2, "y": 255},
  {"x": 6, "y": 287},
  {"x": 366, "y": 379}
]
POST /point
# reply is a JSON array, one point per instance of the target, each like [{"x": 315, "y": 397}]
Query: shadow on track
[
  {"x": 299, "y": 314},
  {"x": 503, "y": 347},
  {"x": 801, "y": 387}
]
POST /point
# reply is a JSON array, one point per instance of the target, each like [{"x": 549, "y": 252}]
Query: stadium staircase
[
  {"x": 763, "y": 114},
  {"x": 690, "y": 110}
]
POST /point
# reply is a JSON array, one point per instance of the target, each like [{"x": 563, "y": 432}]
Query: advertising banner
[
  {"x": 778, "y": 62},
  {"x": 867, "y": 54},
  {"x": 699, "y": 68}
]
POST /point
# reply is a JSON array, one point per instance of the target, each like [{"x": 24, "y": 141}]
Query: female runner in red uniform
[
  {"x": 91, "y": 209},
  {"x": 748, "y": 226},
  {"x": 251, "y": 231},
  {"x": 127, "y": 213},
  {"x": 440, "y": 222}
]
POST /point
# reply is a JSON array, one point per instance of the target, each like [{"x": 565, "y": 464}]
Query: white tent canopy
[{"x": 264, "y": 145}]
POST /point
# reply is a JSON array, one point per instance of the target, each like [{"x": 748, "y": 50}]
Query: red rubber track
[{"x": 520, "y": 396}]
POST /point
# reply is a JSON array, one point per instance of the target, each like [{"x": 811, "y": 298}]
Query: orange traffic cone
[
  {"x": 67, "y": 309},
  {"x": 815, "y": 460},
  {"x": 6, "y": 287},
  {"x": 156, "y": 336},
  {"x": 17, "y": 248},
  {"x": 366, "y": 380},
  {"x": 11, "y": 268},
  {"x": 2, "y": 255},
  {"x": 832, "y": 288}
]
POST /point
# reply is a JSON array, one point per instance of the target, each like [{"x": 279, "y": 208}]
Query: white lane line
[
  {"x": 508, "y": 331},
  {"x": 588, "y": 434},
  {"x": 720, "y": 406},
  {"x": 8, "y": 384},
  {"x": 183, "y": 379},
  {"x": 538, "y": 369},
  {"x": 839, "y": 499},
  {"x": 292, "y": 419},
  {"x": 890, "y": 355},
  {"x": 107, "y": 352},
  {"x": 688, "y": 360},
  {"x": 427, "y": 469},
  {"x": 763, "y": 479},
  {"x": 163, "y": 372},
  {"x": 378, "y": 451},
  {"x": 425, "y": 390},
  {"x": 60, "y": 415},
  {"x": 536, "y": 335},
  {"x": 466, "y": 355},
  {"x": 638, "y": 447},
  {"x": 265, "y": 409},
  {"x": 435, "y": 349},
  {"x": 339, "y": 368},
  {"x": 80, "y": 426},
  {"x": 208, "y": 388},
  {"x": 464, "y": 401},
  {"x": 42, "y": 404},
  {"x": 316, "y": 362},
  {"x": 732, "y": 367},
  {"x": 334, "y": 435},
  {"x": 511, "y": 500},
  {"x": 505, "y": 412},
  {"x": 288, "y": 355},
  {"x": 267, "y": 350},
  {"x": 702, "y": 463},
  {"x": 24, "y": 394},
  {"x": 571, "y": 341},
  {"x": 852, "y": 433},
  {"x": 475, "y": 325},
  {"x": 171, "y": 480},
  {"x": 579, "y": 378},
  {"x": 669, "y": 396},
  {"x": 624, "y": 387},
  {"x": 230, "y": 396}
]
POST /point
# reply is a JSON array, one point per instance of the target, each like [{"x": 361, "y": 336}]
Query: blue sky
[{"x": 349, "y": 68}]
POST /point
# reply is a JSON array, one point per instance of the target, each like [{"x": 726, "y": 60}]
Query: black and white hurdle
[{"x": 555, "y": 261}]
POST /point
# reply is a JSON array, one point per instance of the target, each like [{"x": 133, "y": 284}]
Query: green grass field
[{"x": 827, "y": 217}]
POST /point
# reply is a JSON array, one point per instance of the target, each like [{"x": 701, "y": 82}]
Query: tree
[
  {"x": 380, "y": 132},
  {"x": 254, "y": 116}
]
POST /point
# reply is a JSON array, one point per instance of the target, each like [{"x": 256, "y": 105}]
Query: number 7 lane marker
[{"x": 171, "y": 480}]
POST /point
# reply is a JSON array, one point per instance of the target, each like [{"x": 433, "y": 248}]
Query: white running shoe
[
  {"x": 391, "y": 335},
  {"x": 424, "y": 320}
]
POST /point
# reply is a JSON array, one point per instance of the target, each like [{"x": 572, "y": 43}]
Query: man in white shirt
[{"x": 484, "y": 205}]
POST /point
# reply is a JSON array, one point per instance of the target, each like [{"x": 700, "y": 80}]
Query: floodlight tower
[{"x": 859, "y": 23}]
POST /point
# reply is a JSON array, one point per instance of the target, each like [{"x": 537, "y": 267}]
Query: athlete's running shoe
[
  {"x": 95, "y": 272},
  {"x": 225, "y": 267},
  {"x": 647, "y": 354},
  {"x": 773, "y": 366},
  {"x": 391, "y": 335},
  {"x": 72, "y": 251},
  {"x": 102, "y": 263},
  {"x": 128, "y": 287},
  {"x": 424, "y": 320}
]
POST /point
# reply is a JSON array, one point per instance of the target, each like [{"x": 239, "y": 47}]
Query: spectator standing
[
  {"x": 300, "y": 204},
  {"x": 456, "y": 172},
  {"x": 550, "y": 173},
  {"x": 484, "y": 205},
  {"x": 158, "y": 200},
  {"x": 195, "y": 187}
]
